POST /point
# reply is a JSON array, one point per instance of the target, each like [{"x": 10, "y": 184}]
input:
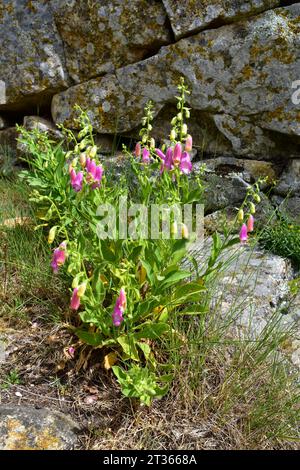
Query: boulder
[
  {"x": 27, "y": 428},
  {"x": 251, "y": 288},
  {"x": 32, "y": 65},
  {"x": 240, "y": 75},
  {"x": 100, "y": 36},
  {"x": 221, "y": 191},
  {"x": 189, "y": 17}
]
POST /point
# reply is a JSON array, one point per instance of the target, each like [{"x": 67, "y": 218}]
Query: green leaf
[
  {"x": 173, "y": 278},
  {"x": 194, "y": 196},
  {"x": 119, "y": 373},
  {"x": 128, "y": 344},
  {"x": 194, "y": 310},
  {"x": 149, "y": 271},
  {"x": 232, "y": 242},
  {"x": 93, "y": 339},
  {"x": 146, "y": 307},
  {"x": 188, "y": 293},
  {"x": 152, "y": 331},
  {"x": 88, "y": 316},
  {"x": 145, "y": 348}
]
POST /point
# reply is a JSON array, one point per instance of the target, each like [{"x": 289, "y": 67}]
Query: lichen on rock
[
  {"x": 239, "y": 75},
  {"x": 32, "y": 56},
  {"x": 102, "y": 36},
  {"x": 195, "y": 15}
]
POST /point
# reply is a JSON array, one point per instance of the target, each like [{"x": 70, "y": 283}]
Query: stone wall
[{"x": 240, "y": 60}]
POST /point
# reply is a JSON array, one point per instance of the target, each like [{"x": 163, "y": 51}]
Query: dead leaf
[
  {"x": 109, "y": 360},
  {"x": 60, "y": 366}
]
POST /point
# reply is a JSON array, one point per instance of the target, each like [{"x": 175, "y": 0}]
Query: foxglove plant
[{"x": 124, "y": 289}]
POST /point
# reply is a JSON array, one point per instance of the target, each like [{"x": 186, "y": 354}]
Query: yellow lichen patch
[
  {"x": 47, "y": 441},
  {"x": 247, "y": 72},
  {"x": 21, "y": 438},
  {"x": 279, "y": 114},
  {"x": 17, "y": 436}
]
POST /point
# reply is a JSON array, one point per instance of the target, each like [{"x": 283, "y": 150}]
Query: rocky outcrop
[
  {"x": 27, "y": 428},
  {"x": 240, "y": 75}
]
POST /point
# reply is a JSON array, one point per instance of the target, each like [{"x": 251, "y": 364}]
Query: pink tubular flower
[
  {"x": 244, "y": 234},
  {"x": 76, "y": 180},
  {"x": 97, "y": 177},
  {"x": 189, "y": 143},
  {"x": 117, "y": 316},
  {"x": 59, "y": 257},
  {"x": 250, "y": 224},
  {"x": 168, "y": 164},
  {"x": 185, "y": 164},
  {"x": 146, "y": 155},
  {"x": 138, "y": 150},
  {"x": 91, "y": 169},
  {"x": 160, "y": 154},
  {"x": 119, "y": 309},
  {"x": 122, "y": 299},
  {"x": 75, "y": 300},
  {"x": 177, "y": 154}
]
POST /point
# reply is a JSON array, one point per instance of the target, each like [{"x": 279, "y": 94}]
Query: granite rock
[{"x": 27, "y": 428}]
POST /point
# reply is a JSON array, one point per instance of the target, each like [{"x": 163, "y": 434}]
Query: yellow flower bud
[
  {"x": 252, "y": 208},
  {"x": 82, "y": 159},
  {"x": 184, "y": 129},
  {"x": 93, "y": 151},
  {"x": 240, "y": 215},
  {"x": 82, "y": 289},
  {"x": 257, "y": 198},
  {"x": 152, "y": 143},
  {"x": 52, "y": 234},
  {"x": 173, "y": 134},
  {"x": 179, "y": 116}
]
